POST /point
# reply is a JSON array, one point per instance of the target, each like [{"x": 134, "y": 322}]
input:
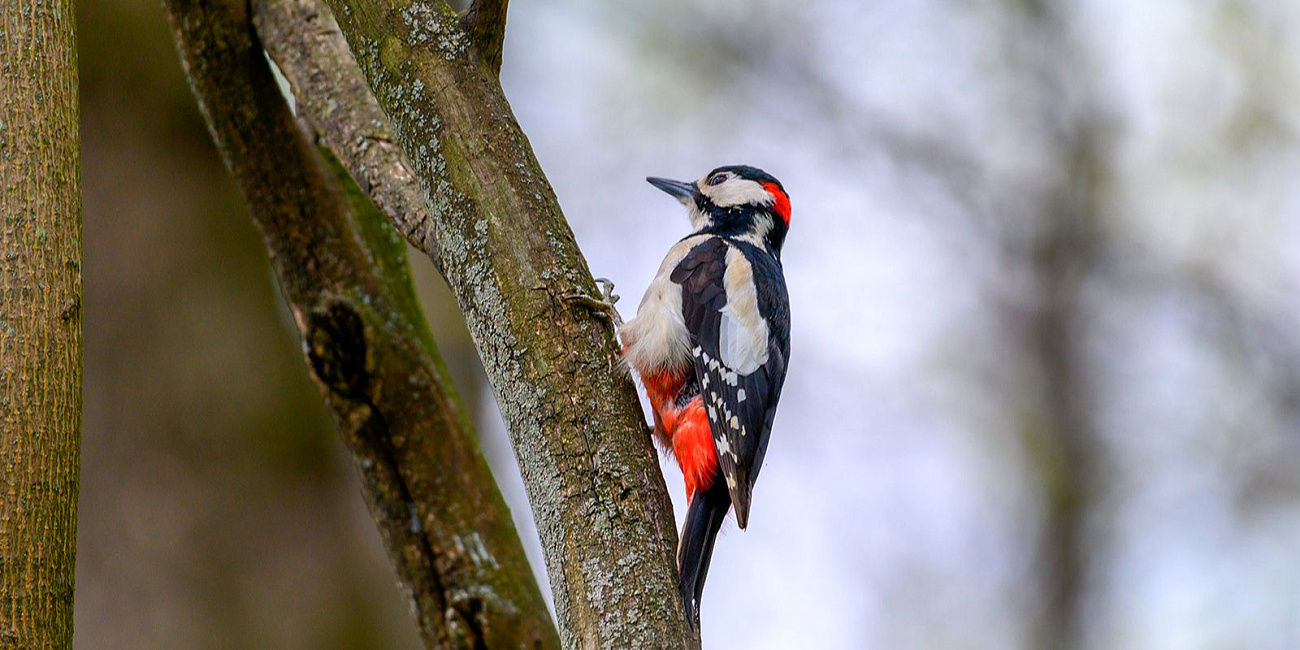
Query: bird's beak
[{"x": 681, "y": 190}]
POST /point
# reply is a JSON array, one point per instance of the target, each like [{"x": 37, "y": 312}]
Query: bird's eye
[{"x": 717, "y": 179}]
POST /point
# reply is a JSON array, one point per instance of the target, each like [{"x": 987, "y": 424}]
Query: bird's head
[{"x": 737, "y": 201}]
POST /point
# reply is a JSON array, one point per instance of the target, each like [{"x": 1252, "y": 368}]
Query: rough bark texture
[
  {"x": 509, "y": 256},
  {"x": 486, "y": 24},
  {"x": 304, "y": 41},
  {"x": 40, "y": 321},
  {"x": 343, "y": 273}
]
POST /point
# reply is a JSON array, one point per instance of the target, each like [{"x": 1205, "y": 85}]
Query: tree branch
[
  {"x": 572, "y": 412},
  {"x": 485, "y": 22},
  {"x": 447, "y": 528},
  {"x": 304, "y": 41},
  {"x": 1068, "y": 454},
  {"x": 1063, "y": 258}
]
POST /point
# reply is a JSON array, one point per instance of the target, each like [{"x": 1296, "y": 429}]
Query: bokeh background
[{"x": 1044, "y": 269}]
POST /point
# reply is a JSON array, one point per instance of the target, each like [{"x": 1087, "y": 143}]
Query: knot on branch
[
  {"x": 466, "y": 619},
  {"x": 338, "y": 350}
]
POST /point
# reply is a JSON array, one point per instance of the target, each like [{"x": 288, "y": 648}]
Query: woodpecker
[{"x": 710, "y": 342}]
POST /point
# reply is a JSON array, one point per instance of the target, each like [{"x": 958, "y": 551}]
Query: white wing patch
[{"x": 742, "y": 337}]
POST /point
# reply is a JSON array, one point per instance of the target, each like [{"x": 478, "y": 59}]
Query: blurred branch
[
  {"x": 1066, "y": 252},
  {"x": 1256, "y": 334},
  {"x": 485, "y": 21},
  {"x": 342, "y": 273},
  {"x": 304, "y": 41},
  {"x": 1063, "y": 257},
  {"x": 510, "y": 258},
  {"x": 774, "y": 52},
  {"x": 1258, "y": 331}
]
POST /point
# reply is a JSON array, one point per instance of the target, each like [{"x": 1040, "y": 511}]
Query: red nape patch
[
  {"x": 782, "y": 202},
  {"x": 693, "y": 447}
]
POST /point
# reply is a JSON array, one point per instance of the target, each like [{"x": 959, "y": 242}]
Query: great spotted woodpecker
[{"x": 710, "y": 342}]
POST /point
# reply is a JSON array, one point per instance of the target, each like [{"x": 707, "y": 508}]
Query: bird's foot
[{"x": 604, "y": 306}]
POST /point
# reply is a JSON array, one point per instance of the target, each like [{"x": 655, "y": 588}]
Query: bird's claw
[
  {"x": 607, "y": 290},
  {"x": 603, "y": 306}
]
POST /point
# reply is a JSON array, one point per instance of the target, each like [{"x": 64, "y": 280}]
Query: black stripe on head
[{"x": 751, "y": 173}]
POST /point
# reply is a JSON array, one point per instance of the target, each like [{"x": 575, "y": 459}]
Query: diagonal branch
[
  {"x": 304, "y": 41},
  {"x": 485, "y": 22},
  {"x": 344, "y": 277},
  {"x": 510, "y": 258}
]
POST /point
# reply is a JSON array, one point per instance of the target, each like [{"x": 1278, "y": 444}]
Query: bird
[{"x": 710, "y": 341}]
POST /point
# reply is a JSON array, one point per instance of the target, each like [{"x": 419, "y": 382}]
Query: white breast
[{"x": 657, "y": 338}]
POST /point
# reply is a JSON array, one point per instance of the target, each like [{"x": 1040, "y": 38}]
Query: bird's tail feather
[{"x": 703, "y": 520}]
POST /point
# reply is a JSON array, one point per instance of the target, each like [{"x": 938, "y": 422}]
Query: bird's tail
[{"x": 703, "y": 520}]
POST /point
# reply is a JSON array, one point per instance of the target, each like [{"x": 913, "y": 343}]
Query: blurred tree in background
[{"x": 40, "y": 323}]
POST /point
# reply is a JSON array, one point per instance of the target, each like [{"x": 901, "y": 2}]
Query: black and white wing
[{"x": 735, "y": 306}]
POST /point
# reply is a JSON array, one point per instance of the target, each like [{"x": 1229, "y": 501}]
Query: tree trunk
[
  {"x": 493, "y": 226},
  {"x": 506, "y": 250},
  {"x": 40, "y": 321},
  {"x": 343, "y": 273}
]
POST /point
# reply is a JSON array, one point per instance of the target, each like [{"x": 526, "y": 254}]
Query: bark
[
  {"x": 342, "y": 271},
  {"x": 486, "y": 24},
  {"x": 304, "y": 41},
  {"x": 572, "y": 412},
  {"x": 40, "y": 322}
]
